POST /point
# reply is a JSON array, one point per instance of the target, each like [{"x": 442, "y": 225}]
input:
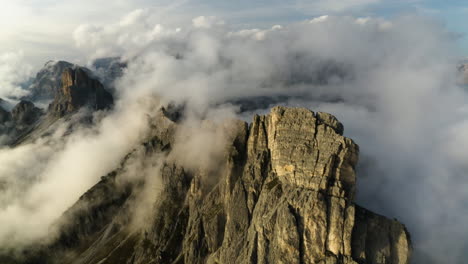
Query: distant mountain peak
[
  {"x": 48, "y": 81},
  {"x": 79, "y": 89}
]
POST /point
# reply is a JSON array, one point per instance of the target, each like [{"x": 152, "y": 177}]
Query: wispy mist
[
  {"x": 40, "y": 180},
  {"x": 14, "y": 71}
]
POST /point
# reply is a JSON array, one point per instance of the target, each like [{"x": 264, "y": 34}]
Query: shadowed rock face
[
  {"x": 48, "y": 82},
  {"x": 20, "y": 121},
  {"x": 283, "y": 194},
  {"x": 5, "y": 116},
  {"x": 25, "y": 113},
  {"x": 79, "y": 89}
]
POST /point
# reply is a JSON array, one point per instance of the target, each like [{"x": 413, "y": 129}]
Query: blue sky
[{"x": 43, "y": 29}]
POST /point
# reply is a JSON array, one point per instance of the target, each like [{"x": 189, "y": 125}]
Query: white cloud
[
  {"x": 44, "y": 29},
  {"x": 133, "y": 32},
  {"x": 206, "y": 22},
  {"x": 319, "y": 19},
  {"x": 14, "y": 70},
  {"x": 334, "y": 6}
]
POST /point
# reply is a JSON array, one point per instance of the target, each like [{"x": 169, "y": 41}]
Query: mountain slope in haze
[
  {"x": 279, "y": 190},
  {"x": 108, "y": 70},
  {"x": 72, "y": 88},
  {"x": 48, "y": 81}
]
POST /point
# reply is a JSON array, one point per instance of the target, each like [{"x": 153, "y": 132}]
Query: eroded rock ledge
[{"x": 284, "y": 194}]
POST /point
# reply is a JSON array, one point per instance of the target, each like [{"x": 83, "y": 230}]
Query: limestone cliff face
[
  {"x": 78, "y": 89},
  {"x": 283, "y": 193},
  {"x": 48, "y": 81}
]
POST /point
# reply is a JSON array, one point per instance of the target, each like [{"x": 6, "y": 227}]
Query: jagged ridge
[{"x": 283, "y": 194}]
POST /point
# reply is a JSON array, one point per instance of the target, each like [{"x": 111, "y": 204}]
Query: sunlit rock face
[
  {"x": 47, "y": 81},
  {"x": 78, "y": 89},
  {"x": 22, "y": 118},
  {"x": 282, "y": 191}
]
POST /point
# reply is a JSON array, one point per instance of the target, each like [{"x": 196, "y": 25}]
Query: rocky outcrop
[
  {"x": 78, "y": 89},
  {"x": 23, "y": 117},
  {"x": 369, "y": 246},
  {"x": 25, "y": 113},
  {"x": 5, "y": 116},
  {"x": 47, "y": 82},
  {"x": 282, "y": 192}
]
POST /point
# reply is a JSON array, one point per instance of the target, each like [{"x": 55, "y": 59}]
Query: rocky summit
[
  {"x": 282, "y": 192},
  {"x": 78, "y": 89},
  {"x": 20, "y": 121}
]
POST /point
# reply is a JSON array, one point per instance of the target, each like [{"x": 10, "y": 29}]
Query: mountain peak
[
  {"x": 283, "y": 192},
  {"x": 47, "y": 81},
  {"x": 78, "y": 89}
]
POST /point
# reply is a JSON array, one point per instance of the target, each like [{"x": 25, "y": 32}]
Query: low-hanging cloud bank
[{"x": 392, "y": 84}]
